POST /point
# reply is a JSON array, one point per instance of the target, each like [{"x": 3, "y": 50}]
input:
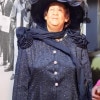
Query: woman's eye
[
  {"x": 51, "y": 9},
  {"x": 60, "y": 10}
]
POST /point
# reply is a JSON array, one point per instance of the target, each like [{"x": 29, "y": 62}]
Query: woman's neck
[{"x": 54, "y": 29}]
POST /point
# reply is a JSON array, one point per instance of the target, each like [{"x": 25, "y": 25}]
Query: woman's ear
[
  {"x": 45, "y": 15},
  {"x": 67, "y": 19}
]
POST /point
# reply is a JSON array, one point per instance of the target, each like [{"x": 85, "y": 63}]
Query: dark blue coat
[{"x": 45, "y": 73}]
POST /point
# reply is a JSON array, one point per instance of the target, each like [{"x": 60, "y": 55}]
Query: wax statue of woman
[{"x": 53, "y": 61}]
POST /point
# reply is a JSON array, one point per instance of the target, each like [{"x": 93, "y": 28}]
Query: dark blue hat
[{"x": 77, "y": 12}]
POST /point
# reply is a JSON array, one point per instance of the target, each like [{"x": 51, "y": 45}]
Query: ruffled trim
[
  {"x": 25, "y": 40},
  {"x": 78, "y": 39}
]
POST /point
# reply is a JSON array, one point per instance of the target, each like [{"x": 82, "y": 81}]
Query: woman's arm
[
  {"x": 22, "y": 77},
  {"x": 84, "y": 75},
  {"x": 87, "y": 73}
]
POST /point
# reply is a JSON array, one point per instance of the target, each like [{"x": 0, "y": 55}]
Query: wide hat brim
[{"x": 39, "y": 6}]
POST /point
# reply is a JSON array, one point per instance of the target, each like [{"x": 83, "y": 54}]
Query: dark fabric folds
[{"x": 26, "y": 37}]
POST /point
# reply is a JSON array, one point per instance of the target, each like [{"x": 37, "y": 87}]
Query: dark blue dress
[{"x": 45, "y": 73}]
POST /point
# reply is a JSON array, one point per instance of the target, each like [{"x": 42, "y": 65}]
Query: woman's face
[{"x": 56, "y": 15}]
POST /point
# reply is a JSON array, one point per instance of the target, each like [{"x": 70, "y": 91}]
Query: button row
[{"x": 55, "y": 62}]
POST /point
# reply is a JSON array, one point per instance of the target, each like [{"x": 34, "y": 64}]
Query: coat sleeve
[
  {"x": 86, "y": 74},
  {"x": 22, "y": 77}
]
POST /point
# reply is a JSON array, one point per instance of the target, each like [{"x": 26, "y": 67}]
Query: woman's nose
[{"x": 55, "y": 12}]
